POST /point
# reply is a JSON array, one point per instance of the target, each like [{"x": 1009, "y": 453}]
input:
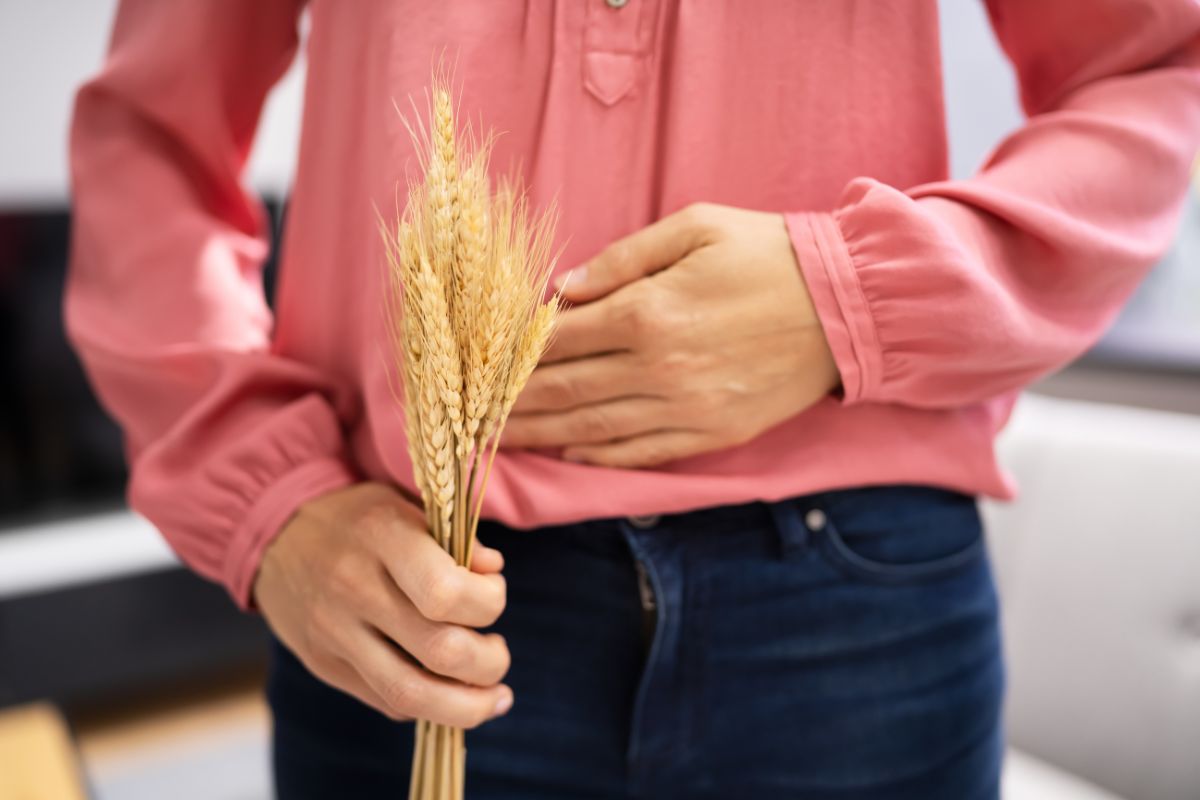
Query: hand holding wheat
[
  {"x": 468, "y": 270},
  {"x": 371, "y": 605}
]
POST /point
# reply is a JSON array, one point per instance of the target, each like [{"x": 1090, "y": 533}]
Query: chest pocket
[{"x": 618, "y": 39}]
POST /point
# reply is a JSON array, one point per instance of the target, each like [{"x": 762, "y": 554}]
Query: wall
[{"x": 47, "y": 48}]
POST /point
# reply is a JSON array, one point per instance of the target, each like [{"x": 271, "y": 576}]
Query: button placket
[{"x": 615, "y": 44}]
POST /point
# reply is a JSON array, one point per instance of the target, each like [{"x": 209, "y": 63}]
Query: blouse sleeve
[
  {"x": 953, "y": 292},
  {"x": 164, "y": 300}
]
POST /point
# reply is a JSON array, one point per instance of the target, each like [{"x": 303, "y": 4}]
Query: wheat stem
[{"x": 468, "y": 270}]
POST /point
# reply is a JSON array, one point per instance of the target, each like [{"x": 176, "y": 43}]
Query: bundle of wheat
[{"x": 467, "y": 274}]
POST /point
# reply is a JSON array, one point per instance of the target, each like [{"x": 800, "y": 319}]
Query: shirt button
[
  {"x": 616, "y": 3},
  {"x": 648, "y": 521},
  {"x": 815, "y": 519}
]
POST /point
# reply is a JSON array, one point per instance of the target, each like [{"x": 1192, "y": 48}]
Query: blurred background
[{"x": 125, "y": 677}]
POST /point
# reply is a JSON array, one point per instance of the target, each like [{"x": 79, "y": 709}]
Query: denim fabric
[{"x": 842, "y": 645}]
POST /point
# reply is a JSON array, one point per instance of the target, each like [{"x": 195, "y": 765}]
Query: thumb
[{"x": 642, "y": 253}]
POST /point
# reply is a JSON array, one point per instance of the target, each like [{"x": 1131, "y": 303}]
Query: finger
[
  {"x": 441, "y": 590},
  {"x": 647, "y": 450},
  {"x": 586, "y": 330},
  {"x": 594, "y": 424},
  {"x": 568, "y": 384},
  {"x": 450, "y": 650},
  {"x": 486, "y": 560},
  {"x": 341, "y": 675},
  {"x": 408, "y": 690},
  {"x": 637, "y": 255}
]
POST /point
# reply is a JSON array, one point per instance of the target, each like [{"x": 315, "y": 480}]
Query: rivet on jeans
[{"x": 815, "y": 519}]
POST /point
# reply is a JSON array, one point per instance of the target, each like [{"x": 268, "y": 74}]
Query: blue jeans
[{"x": 838, "y": 645}]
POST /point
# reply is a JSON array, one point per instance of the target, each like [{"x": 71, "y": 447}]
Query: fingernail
[
  {"x": 571, "y": 277},
  {"x": 503, "y": 704}
]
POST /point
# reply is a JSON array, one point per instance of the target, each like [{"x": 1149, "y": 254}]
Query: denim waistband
[{"x": 760, "y": 512}]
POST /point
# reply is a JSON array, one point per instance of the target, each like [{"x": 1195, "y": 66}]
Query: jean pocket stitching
[{"x": 843, "y": 555}]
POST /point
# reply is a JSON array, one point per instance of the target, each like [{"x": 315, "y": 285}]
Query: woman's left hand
[{"x": 693, "y": 334}]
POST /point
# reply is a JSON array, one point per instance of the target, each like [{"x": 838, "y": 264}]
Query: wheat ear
[{"x": 468, "y": 270}]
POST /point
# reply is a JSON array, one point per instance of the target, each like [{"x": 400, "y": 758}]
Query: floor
[{"x": 209, "y": 744}]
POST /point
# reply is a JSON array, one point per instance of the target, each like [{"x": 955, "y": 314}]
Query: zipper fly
[
  {"x": 649, "y": 603},
  {"x": 645, "y": 590}
]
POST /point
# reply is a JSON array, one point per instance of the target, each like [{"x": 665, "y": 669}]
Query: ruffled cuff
[
  {"x": 221, "y": 494},
  {"x": 266, "y": 518},
  {"x": 840, "y": 304}
]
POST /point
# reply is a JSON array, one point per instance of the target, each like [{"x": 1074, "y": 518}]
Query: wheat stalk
[{"x": 468, "y": 269}]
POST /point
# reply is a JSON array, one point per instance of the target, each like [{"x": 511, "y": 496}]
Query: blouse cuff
[
  {"x": 841, "y": 306},
  {"x": 267, "y": 517}
]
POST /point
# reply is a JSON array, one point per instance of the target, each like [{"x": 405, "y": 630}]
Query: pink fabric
[{"x": 941, "y": 298}]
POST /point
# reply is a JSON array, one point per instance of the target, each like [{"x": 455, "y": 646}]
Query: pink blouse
[{"x": 940, "y": 298}]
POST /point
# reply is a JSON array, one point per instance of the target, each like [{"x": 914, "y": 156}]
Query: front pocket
[
  {"x": 911, "y": 536},
  {"x": 610, "y": 76}
]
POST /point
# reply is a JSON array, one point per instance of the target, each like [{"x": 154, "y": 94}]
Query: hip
[{"x": 842, "y": 644}]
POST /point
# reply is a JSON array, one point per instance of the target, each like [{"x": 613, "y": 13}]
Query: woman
[{"x": 736, "y": 504}]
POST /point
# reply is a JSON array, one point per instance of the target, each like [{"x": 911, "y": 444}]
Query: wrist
[{"x": 272, "y": 511}]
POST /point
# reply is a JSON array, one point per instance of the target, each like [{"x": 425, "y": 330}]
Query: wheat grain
[
  {"x": 441, "y": 382},
  {"x": 474, "y": 340},
  {"x": 442, "y": 186},
  {"x": 468, "y": 270}
]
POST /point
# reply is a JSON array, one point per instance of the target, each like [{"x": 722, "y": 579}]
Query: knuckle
[
  {"x": 505, "y": 655},
  {"x": 698, "y": 214},
  {"x": 652, "y": 455},
  {"x": 448, "y": 651},
  {"x": 645, "y": 318},
  {"x": 559, "y": 390},
  {"x": 402, "y": 696},
  {"x": 593, "y": 424},
  {"x": 319, "y": 662},
  {"x": 441, "y": 595},
  {"x": 676, "y": 367},
  {"x": 345, "y": 577},
  {"x": 647, "y": 362},
  {"x": 497, "y": 604},
  {"x": 622, "y": 307},
  {"x": 618, "y": 258},
  {"x": 376, "y": 518},
  {"x": 320, "y": 626}
]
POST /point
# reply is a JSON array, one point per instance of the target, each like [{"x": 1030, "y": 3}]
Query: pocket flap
[{"x": 610, "y": 76}]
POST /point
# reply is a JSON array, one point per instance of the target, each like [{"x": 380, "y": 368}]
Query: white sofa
[{"x": 1098, "y": 564}]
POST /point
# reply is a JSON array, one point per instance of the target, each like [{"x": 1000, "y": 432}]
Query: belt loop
[{"x": 790, "y": 527}]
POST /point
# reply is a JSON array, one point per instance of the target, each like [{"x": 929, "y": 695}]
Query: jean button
[
  {"x": 644, "y": 522},
  {"x": 815, "y": 519}
]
